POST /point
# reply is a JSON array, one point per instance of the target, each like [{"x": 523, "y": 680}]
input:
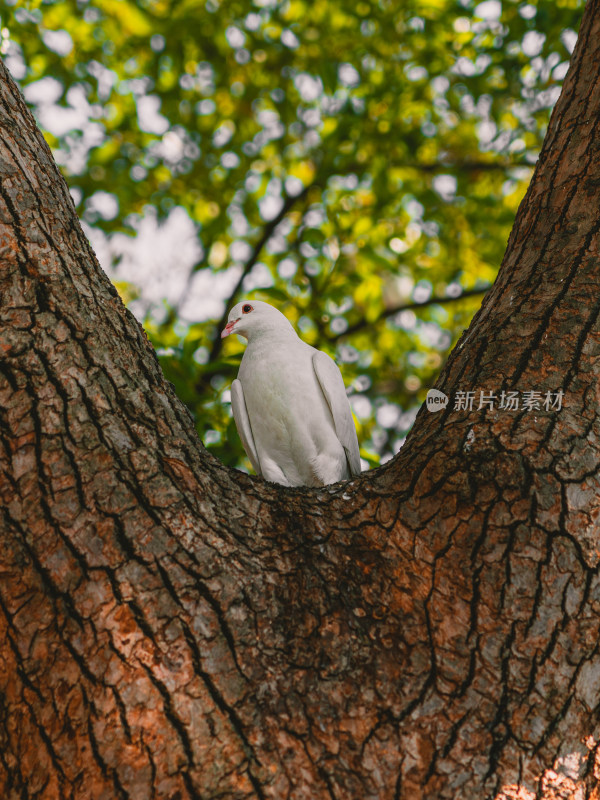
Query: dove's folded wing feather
[
  {"x": 332, "y": 386},
  {"x": 242, "y": 421}
]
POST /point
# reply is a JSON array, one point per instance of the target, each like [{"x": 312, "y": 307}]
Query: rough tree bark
[{"x": 171, "y": 628}]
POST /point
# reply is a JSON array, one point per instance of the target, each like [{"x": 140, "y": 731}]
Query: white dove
[{"x": 289, "y": 403}]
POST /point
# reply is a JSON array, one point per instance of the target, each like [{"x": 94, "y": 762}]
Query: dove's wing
[
  {"x": 332, "y": 385},
  {"x": 242, "y": 422}
]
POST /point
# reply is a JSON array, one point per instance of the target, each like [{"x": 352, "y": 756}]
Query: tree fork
[{"x": 172, "y": 628}]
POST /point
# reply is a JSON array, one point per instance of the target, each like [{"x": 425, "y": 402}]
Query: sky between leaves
[{"x": 359, "y": 165}]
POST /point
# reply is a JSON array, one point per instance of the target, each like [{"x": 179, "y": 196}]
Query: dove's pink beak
[{"x": 228, "y": 328}]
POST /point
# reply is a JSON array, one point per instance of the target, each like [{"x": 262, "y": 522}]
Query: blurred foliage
[{"x": 360, "y": 163}]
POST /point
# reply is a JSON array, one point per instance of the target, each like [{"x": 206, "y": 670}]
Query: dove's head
[{"x": 253, "y": 318}]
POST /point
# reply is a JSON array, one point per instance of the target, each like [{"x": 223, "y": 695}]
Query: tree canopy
[{"x": 358, "y": 165}]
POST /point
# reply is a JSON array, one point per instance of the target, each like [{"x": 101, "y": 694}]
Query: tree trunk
[{"x": 172, "y": 628}]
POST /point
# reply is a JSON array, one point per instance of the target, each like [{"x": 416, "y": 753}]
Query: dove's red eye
[{"x": 246, "y": 309}]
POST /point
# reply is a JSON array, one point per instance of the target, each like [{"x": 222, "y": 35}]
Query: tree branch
[
  {"x": 390, "y": 312},
  {"x": 268, "y": 231},
  {"x": 466, "y": 166},
  {"x": 448, "y": 166}
]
